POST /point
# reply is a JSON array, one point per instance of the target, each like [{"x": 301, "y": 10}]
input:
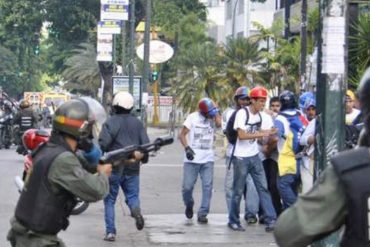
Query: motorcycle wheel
[{"x": 80, "y": 207}]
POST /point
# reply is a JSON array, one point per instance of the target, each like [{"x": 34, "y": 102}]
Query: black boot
[{"x": 139, "y": 220}]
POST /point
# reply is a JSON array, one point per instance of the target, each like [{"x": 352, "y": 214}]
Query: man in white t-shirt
[
  {"x": 241, "y": 99},
  {"x": 246, "y": 161},
  {"x": 197, "y": 137}
]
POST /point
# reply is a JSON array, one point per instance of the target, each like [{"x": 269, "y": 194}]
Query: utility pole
[
  {"x": 303, "y": 45},
  {"x": 331, "y": 85},
  {"x": 132, "y": 46},
  {"x": 123, "y": 36},
  {"x": 233, "y": 19},
  {"x": 146, "y": 66},
  {"x": 287, "y": 19}
]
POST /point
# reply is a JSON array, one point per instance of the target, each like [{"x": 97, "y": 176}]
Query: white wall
[{"x": 216, "y": 16}]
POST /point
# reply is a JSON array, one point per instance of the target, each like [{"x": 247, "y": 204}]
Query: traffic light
[
  {"x": 36, "y": 50},
  {"x": 36, "y": 44},
  {"x": 154, "y": 76}
]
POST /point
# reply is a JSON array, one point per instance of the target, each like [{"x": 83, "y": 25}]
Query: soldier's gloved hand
[
  {"x": 189, "y": 153},
  {"x": 93, "y": 155}
]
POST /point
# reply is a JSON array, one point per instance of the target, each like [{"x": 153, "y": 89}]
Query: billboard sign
[
  {"x": 105, "y": 48},
  {"x": 109, "y": 27},
  {"x": 121, "y": 83},
  {"x": 113, "y": 12}
]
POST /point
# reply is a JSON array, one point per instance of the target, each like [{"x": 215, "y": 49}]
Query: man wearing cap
[
  {"x": 241, "y": 98},
  {"x": 351, "y": 112}
]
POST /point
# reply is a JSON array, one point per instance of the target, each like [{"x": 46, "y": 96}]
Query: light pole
[
  {"x": 132, "y": 46},
  {"x": 303, "y": 45},
  {"x": 287, "y": 19},
  {"x": 146, "y": 66},
  {"x": 331, "y": 85},
  {"x": 233, "y": 19}
]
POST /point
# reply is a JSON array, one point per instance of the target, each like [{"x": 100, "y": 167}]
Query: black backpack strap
[
  {"x": 247, "y": 113},
  {"x": 260, "y": 122},
  {"x": 233, "y": 151}
]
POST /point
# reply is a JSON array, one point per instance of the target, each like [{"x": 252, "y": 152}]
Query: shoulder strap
[
  {"x": 259, "y": 114},
  {"x": 247, "y": 113},
  {"x": 352, "y": 159}
]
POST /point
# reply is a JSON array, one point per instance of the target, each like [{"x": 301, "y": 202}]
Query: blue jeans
[
  {"x": 251, "y": 197},
  {"x": 253, "y": 166},
  {"x": 288, "y": 188},
  {"x": 191, "y": 171},
  {"x": 130, "y": 186}
]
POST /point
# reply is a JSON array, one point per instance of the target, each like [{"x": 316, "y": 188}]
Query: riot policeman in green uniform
[
  {"x": 341, "y": 196},
  {"x": 64, "y": 168}
]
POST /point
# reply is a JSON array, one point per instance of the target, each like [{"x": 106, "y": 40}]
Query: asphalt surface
[{"x": 162, "y": 207}]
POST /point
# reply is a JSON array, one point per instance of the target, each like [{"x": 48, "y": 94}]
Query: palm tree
[
  {"x": 240, "y": 66},
  {"x": 198, "y": 76},
  {"x": 82, "y": 71},
  {"x": 360, "y": 51}
]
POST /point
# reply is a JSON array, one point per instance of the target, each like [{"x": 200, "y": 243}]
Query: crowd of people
[
  {"x": 269, "y": 156},
  {"x": 269, "y": 161}
]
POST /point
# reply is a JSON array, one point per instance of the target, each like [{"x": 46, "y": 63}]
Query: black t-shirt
[{"x": 120, "y": 131}]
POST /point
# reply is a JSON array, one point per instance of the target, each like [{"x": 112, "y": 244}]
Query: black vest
[
  {"x": 39, "y": 208},
  {"x": 353, "y": 169},
  {"x": 27, "y": 119}
]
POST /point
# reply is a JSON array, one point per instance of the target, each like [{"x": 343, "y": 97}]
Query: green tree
[
  {"x": 359, "y": 58},
  {"x": 199, "y": 75},
  {"x": 20, "y": 25},
  {"x": 82, "y": 71},
  {"x": 8, "y": 61},
  {"x": 241, "y": 57}
]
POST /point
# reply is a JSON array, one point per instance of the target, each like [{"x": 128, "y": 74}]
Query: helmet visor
[{"x": 96, "y": 118}]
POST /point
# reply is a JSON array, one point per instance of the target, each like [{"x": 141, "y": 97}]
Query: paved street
[{"x": 162, "y": 207}]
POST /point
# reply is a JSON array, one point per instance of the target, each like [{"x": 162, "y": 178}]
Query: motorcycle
[
  {"x": 35, "y": 138},
  {"x": 6, "y": 121}
]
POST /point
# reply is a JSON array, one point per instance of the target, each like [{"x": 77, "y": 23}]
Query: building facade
[{"x": 241, "y": 14}]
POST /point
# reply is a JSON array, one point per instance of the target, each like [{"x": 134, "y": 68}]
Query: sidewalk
[{"x": 164, "y": 230}]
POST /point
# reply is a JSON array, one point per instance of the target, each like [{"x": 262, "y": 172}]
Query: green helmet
[{"x": 79, "y": 118}]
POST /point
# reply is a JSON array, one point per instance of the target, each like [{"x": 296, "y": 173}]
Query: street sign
[
  {"x": 109, "y": 27},
  {"x": 159, "y": 52},
  {"x": 121, "y": 83},
  {"x": 113, "y": 12},
  {"x": 105, "y": 48},
  {"x": 118, "y": 2}
]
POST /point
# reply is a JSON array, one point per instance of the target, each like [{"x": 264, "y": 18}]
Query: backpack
[
  {"x": 230, "y": 132},
  {"x": 352, "y": 134},
  {"x": 297, "y": 125}
]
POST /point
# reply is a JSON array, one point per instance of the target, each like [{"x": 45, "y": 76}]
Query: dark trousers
[{"x": 272, "y": 173}]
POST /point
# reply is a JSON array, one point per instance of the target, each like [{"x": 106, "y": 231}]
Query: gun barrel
[
  {"x": 126, "y": 153},
  {"x": 165, "y": 140}
]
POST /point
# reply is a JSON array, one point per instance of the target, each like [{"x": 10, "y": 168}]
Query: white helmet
[{"x": 124, "y": 100}]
